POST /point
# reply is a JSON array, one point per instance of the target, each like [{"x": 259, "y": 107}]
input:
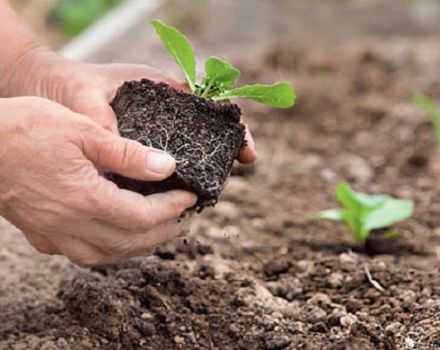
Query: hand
[
  {"x": 95, "y": 86},
  {"x": 51, "y": 190},
  {"x": 88, "y": 88}
]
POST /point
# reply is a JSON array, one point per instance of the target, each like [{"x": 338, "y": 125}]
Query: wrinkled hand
[
  {"x": 88, "y": 89},
  {"x": 51, "y": 190}
]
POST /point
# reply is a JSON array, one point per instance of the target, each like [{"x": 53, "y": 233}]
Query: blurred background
[{"x": 58, "y": 21}]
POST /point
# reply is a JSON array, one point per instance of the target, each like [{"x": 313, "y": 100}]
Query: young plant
[
  {"x": 220, "y": 76},
  {"x": 431, "y": 111},
  {"x": 363, "y": 213}
]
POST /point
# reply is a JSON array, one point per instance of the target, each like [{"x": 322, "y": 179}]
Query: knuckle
[
  {"x": 102, "y": 198},
  {"x": 149, "y": 218},
  {"x": 96, "y": 196},
  {"x": 125, "y": 152},
  {"x": 176, "y": 205},
  {"x": 49, "y": 221},
  {"x": 128, "y": 152},
  {"x": 109, "y": 125},
  {"x": 84, "y": 126}
]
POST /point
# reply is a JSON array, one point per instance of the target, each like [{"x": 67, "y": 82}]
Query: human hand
[
  {"x": 95, "y": 85},
  {"x": 88, "y": 88},
  {"x": 50, "y": 187}
]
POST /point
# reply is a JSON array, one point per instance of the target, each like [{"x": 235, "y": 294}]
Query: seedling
[
  {"x": 363, "y": 213},
  {"x": 432, "y": 111},
  {"x": 220, "y": 76}
]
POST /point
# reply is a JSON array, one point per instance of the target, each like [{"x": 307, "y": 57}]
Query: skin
[{"x": 55, "y": 140}]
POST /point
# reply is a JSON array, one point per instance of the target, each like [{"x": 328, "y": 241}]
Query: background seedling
[
  {"x": 220, "y": 76},
  {"x": 363, "y": 213},
  {"x": 432, "y": 111}
]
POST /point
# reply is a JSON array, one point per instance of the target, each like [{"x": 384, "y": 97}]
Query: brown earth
[
  {"x": 202, "y": 135},
  {"x": 257, "y": 272}
]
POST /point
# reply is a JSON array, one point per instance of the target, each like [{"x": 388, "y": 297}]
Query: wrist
[
  {"x": 38, "y": 71},
  {"x": 25, "y": 73}
]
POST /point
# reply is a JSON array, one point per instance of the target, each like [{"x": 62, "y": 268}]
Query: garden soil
[
  {"x": 202, "y": 135},
  {"x": 257, "y": 272}
]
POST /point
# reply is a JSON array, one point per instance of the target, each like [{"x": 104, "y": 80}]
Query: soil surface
[
  {"x": 257, "y": 272},
  {"x": 202, "y": 135}
]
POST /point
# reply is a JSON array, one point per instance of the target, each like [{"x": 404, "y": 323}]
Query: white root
[{"x": 372, "y": 281}]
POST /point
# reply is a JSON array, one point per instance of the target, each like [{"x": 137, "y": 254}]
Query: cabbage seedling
[
  {"x": 363, "y": 213},
  {"x": 220, "y": 76},
  {"x": 432, "y": 111}
]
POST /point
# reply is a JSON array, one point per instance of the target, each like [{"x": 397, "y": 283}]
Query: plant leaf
[
  {"x": 330, "y": 214},
  {"x": 388, "y": 213},
  {"x": 279, "y": 95},
  {"x": 179, "y": 47},
  {"x": 432, "y": 112},
  {"x": 221, "y": 72}
]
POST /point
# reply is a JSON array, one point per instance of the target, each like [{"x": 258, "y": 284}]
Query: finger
[
  {"x": 96, "y": 106},
  {"x": 143, "y": 243},
  {"x": 41, "y": 244},
  {"x": 80, "y": 252},
  {"x": 247, "y": 154},
  {"x": 133, "y": 212},
  {"x": 127, "y": 157},
  {"x": 118, "y": 243}
]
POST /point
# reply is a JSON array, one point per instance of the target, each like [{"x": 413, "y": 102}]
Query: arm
[{"x": 20, "y": 45}]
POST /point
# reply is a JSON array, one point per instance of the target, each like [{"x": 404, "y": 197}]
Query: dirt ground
[{"x": 257, "y": 272}]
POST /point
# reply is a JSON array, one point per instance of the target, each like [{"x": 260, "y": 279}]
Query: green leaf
[
  {"x": 179, "y": 47},
  {"x": 221, "y": 72},
  {"x": 279, "y": 95},
  {"x": 330, "y": 214},
  {"x": 431, "y": 111},
  {"x": 346, "y": 196},
  {"x": 219, "y": 76},
  {"x": 389, "y": 213}
]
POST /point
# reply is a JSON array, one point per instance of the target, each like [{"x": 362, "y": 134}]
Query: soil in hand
[{"x": 202, "y": 135}]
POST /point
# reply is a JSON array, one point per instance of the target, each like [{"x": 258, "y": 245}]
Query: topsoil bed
[
  {"x": 202, "y": 135},
  {"x": 259, "y": 274}
]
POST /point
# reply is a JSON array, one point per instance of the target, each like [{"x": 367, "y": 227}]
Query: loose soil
[
  {"x": 257, "y": 272},
  {"x": 202, "y": 135}
]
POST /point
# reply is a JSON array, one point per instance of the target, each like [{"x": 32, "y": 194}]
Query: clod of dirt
[{"x": 202, "y": 135}]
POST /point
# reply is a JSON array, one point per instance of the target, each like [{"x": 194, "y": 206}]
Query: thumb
[
  {"x": 96, "y": 106},
  {"x": 127, "y": 157}
]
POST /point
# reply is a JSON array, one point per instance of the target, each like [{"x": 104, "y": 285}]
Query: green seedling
[
  {"x": 431, "y": 111},
  {"x": 363, "y": 213},
  {"x": 220, "y": 76}
]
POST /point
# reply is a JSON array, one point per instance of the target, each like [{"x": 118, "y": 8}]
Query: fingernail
[{"x": 160, "y": 162}]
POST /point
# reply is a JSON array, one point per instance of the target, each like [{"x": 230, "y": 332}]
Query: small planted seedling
[
  {"x": 200, "y": 130},
  {"x": 363, "y": 213},
  {"x": 432, "y": 111}
]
